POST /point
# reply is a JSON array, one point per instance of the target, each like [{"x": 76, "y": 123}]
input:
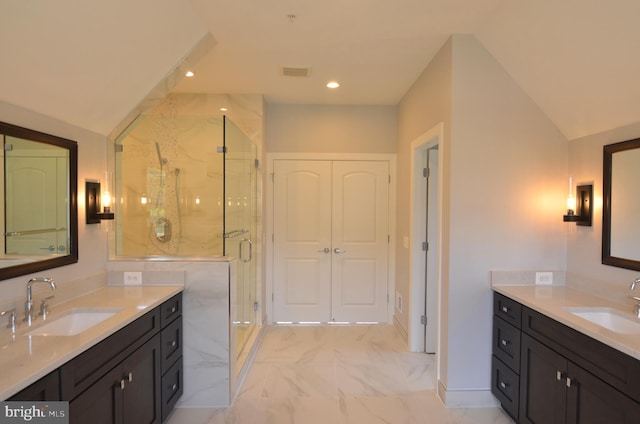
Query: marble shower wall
[{"x": 209, "y": 287}]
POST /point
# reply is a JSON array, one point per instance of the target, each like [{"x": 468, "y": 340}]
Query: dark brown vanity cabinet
[
  {"x": 565, "y": 376},
  {"x": 133, "y": 376}
]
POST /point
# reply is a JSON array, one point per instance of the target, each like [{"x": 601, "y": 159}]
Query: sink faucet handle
[
  {"x": 44, "y": 307},
  {"x": 12, "y": 319},
  {"x": 635, "y": 283}
]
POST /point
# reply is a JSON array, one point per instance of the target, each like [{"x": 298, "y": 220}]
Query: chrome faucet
[
  {"x": 636, "y": 309},
  {"x": 28, "y": 317}
]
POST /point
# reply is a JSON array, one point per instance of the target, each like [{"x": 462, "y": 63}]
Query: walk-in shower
[{"x": 186, "y": 184}]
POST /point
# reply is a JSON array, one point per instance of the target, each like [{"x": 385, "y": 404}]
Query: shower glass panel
[{"x": 240, "y": 229}]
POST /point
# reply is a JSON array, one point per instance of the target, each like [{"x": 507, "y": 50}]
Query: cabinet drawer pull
[
  {"x": 172, "y": 343},
  {"x": 504, "y": 342},
  {"x": 173, "y": 309},
  {"x": 122, "y": 384},
  {"x": 505, "y": 309},
  {"x": 558, "y": 375},
  {"x": 568, "y": 381},
  {"x": 130, "y": 376},
  {"x": 173, "y": 387},
  {"x": 503, "y": 385}
]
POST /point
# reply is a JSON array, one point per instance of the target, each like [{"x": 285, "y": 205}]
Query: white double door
[{"x": 331, "y": 241}]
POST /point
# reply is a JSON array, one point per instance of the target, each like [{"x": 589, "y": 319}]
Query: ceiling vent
[{"x": 295, "y": 71}]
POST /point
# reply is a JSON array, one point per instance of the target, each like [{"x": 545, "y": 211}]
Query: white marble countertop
[
  {"x": 551, "y": 301},
  {"x": 25, "y": 359}
]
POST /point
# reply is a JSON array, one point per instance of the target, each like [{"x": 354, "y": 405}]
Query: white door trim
[
  {"x": 268, "y": 239},
  {"x": 430, "y": 139}
]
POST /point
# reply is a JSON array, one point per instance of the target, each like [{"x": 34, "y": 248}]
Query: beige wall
[
  {"x": 427, "y": 103},
  {"x": 92, "y": 240},
  {"x": 505, "y": 176},
  {"x": 330, "y": 129}
]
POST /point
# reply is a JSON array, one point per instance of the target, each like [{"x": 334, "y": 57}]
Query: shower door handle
[{"x": 250, "y": 250}]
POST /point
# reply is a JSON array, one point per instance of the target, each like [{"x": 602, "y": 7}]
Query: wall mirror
[
  {"x": 39, "y": 217},
  {"x": 621, "y": 205}
]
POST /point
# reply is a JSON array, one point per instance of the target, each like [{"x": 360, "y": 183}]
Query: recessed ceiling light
[
  {"x": 189, "y": 74},
  {"x": 223, "y": 109},
  {"x": 333, "y": 84}
]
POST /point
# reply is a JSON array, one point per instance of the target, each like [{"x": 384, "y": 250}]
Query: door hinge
[
  {"x": 256, "y": 163},
  {"x": 256, "y": 306},
  {"x": 425, "y": 172},
  {"x": 425, "y": 246},
  {"x": 273, "y": 178},
  {"x": 389, "y": 179},
  {"x": 423, "y": 319},
  {"x": 387, "y": 297},
  {"x": 119, "y": 148},
  {"x": 221, "y": 149},
  {"x": 8, "y": 147},
  {"x": 273, "y": 296}
]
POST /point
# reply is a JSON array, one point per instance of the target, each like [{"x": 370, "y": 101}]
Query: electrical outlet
[
  {"x": 132, "y": 278},
  {"x": 544, "y": 278}
]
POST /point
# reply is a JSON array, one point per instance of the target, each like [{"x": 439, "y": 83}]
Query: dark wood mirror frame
[
  {"x": 608, "y": 152},
  {"x": 72, "y": 256}
]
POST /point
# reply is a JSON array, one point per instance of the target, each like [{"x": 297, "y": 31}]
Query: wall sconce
[
  {"x": 579, "y": 208},
  {"x": 93, "y": 199}
]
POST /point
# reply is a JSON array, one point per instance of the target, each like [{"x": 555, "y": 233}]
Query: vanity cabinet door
[
  {"x": 47, "y": 388},
  {"x": 543, "y": 397},
  {"x": 128, "y": 394},
  {"x": 592, "y": 401},
  {"x": 141, "y": 392},
  {"x": 99, "y": 404}
]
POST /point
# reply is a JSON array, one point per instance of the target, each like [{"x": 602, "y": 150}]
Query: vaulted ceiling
[{"x": 91, "y": 63}]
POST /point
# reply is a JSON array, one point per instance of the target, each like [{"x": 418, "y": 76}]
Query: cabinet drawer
[
  {"x": 85, "y": 369},
  {"x": 505, "y": 385},
  {"x": 170, "y": 310},
  {"x": 171, "y": 344},
  {"x": 171, "y": 388},
  {"x": 507, "y": 309},
  {"x": 506, "y": 343}
]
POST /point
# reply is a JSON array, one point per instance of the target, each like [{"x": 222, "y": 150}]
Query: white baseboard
[
  {"x": 401, "y": 330},
  {"x": 466, "y": 398}
]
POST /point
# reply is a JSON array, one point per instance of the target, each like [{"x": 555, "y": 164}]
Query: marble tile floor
[{"x": 337, "y": 374}]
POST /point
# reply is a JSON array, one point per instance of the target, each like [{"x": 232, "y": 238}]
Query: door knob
[
  {"x": 325, "y": 250},
  {"x": 336, "y": 250}
]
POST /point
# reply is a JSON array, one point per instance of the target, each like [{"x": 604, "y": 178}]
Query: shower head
[{"x": 163, "y": 161}]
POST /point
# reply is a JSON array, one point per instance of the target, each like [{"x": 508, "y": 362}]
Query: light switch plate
[
  {"x": 544, "y": 278},
  {"x": 132, "y": 278}
]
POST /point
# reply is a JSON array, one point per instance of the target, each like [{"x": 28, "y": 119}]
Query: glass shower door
[{"x": 240, "y": 228}]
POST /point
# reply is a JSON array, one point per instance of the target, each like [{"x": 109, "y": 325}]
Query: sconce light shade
[
  {"x": 92, "y": 204},
  {"x": 583, "y": 213}
]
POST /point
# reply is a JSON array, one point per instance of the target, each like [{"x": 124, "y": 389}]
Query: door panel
[
  {"x": 360, "y": 239},
  {"x": 302, "y": 232},
  {"x": 331, "y": 224}
]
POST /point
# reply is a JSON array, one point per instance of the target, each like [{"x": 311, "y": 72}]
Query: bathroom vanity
[
  {"x": 551, "y": 366},
  {"x": 133, "y": 374}
]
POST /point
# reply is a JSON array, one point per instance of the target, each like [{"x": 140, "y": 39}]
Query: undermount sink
[
  {"x": 73, "y": 322},
  {"x": 608, "y": 318}
]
